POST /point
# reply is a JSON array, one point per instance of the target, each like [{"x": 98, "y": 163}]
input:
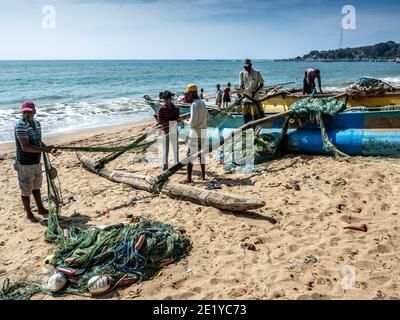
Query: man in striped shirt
[
  {"x": 167, "y": 117},
  {"x": 29, "y": 145}
]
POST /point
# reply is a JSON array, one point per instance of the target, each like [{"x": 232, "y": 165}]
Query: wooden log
[{"x": 219, "y": 200}]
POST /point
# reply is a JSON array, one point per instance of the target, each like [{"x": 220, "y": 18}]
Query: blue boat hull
[
  {"x": 354, "y": 142},
  {"x": 354, "y": 133},
  {"x": 344, "y": 120},
  {"x": 364, "y": 142}
]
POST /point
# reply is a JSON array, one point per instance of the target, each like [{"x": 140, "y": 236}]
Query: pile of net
[
  {"x": 308, "y": 111},
  {"x": 99, "y": 259},
  {"x": 368, "y": 87}
]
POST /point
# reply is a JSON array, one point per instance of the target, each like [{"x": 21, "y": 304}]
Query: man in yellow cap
[{"x": 198, "y": 129}]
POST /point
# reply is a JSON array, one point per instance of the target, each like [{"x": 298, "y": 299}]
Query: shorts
[
  {"x": 251, "y": 108},
  {"x": 227, "y": 99},
  {"x": 194, "y": 145},
  {"x": 29, "y": 178}
]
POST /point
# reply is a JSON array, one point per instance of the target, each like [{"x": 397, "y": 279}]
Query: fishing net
[
  {"x": 308, "y": 111},
  {"x": 125, "y": 253},
  {"x": 129, "y": 148},
  {"x": 367, "y": 87}
]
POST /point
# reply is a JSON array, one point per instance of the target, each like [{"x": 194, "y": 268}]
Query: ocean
[{"x": 75, "y": 95}]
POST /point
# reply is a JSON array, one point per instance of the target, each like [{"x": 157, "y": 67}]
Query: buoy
[
  {"x": 99, "y": 284},
  {"x": 48, "y": 259},
  {"x": 127, "y": 281},
  {"x": 56, "y": 282},
  {"x": 67, "y": 271}
]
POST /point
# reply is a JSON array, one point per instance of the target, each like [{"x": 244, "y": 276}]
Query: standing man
[
  {"x": 251, "y": 82},
  {"x": 309, "y": 80},
  {"x": 218, "y": 98},
  {"x": 29, "y": 145},
  {"x": 198, "y": 130},
  {"x": 167, "y": 118},
  {"x": 227, "y": 95}
]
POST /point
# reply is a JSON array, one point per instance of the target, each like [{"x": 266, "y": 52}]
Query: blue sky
[{"x": 189, "y": 29}]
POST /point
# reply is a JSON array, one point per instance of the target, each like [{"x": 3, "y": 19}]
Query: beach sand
[{"x": 293, "y": 248}]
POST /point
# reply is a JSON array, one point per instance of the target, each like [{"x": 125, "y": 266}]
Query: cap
[
  {"x": 247, "y": 63},
  {"x": 191, "y": 88},
  {"x": 28, "y": 106}
]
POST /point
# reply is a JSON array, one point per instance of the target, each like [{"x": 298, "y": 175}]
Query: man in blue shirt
[{"x": 28, "y": 139}]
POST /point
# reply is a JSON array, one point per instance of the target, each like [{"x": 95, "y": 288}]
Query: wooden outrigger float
[{"x": 219, "y": 200}]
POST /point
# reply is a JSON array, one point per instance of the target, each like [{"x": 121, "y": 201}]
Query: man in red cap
[{"x": 28, "y": 139}]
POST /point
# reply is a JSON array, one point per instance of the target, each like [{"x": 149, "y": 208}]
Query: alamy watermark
[
  {"x": 49, "y": 17},
  {"x": 349, "y": 277}
]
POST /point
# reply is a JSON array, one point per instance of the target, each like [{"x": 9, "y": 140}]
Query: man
[
  {"x": 251, "y": 82},
  {"x": 309, "y": 80},
  {"x": 227, "y": 95},
  {"x": 202, "y": 94},
  {"x": 167, "y": 118},
  {"x": 198, "y": 129},
  {"x": 29, "y": 146},
  {"x": 218, "y": 97}
]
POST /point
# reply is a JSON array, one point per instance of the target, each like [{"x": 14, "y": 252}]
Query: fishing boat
[
  {"x": 281, "y": 101},
  {"x": 284, "y": 100},
  {"x": 184, "y": 108},
  {"x": 365, "y": 133}
]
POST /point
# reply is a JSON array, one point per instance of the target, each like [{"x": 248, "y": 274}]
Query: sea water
[{"x": 75, "y": 95}]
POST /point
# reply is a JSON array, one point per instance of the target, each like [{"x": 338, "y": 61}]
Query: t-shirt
[
  {"x": 227, "y": 92},
  {"x": 310, "y": 77},
  {"x": 33, "y": 132},
  {"x": 198, "y": 119},
  {"x": 167, "y": 114},
  {"x": 250, "y": 81}
]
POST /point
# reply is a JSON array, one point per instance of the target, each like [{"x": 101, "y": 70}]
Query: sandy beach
[{"x": 293, "y": 248}]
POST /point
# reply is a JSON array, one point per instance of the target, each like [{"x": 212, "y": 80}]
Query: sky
[{"x": 188, "y": 29}]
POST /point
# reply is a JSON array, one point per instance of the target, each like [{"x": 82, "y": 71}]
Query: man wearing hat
[
  {"x": 29, "y": 146},
  {"x": 198, "y": 129},
  {"x": 251, "y": 82},
  {"x": 167, "y": 118}
]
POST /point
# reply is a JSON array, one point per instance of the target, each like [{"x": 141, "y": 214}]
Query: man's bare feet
[
  {"x": 186, "y": 181},
  {"x": 33, "y": 218}
]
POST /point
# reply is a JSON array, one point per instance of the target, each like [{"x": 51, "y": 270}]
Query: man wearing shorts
[
  {"x": 251, "y": 81},
  {"x": 198, "y": 129},
  {"x": 29, "y": 146}
]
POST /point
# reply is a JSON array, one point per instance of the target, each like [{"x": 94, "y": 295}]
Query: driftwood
[{"x": 219, "y": 200}]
